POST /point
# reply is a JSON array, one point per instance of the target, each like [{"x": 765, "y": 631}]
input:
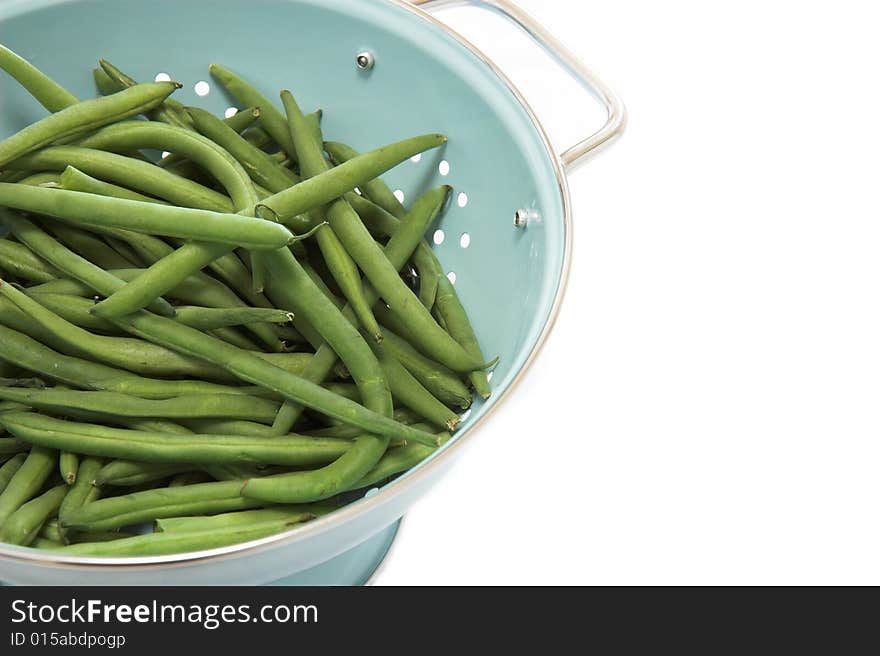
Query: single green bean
[
  {"x": 69, "y": 465},
  {"x": 22, "y": 263},
  {"x": 142, "y": 446},
  {"x": 22, "y": 526},
  {"x": 27, "y": 480},
  {"x": 112, "y": 404},
  {"x": 239, "y": 122},
  {"x": 185, "y": 223},
  {"x": 127, "y": 473},
  {"x": 84, "y": 116},
  {"x": 209, "y": 318},
  {"x": 169, "y": 111},
  {"x": 47, "y": 92},
  {"x": 46, "y": 179},
  {"x": 155, "y": 544},
  {"x": 295, "y": 514}
]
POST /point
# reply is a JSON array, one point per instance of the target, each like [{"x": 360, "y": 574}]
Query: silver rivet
[
  {"x": 522, "y": 217},
  {"x": 365, "y": 61}
]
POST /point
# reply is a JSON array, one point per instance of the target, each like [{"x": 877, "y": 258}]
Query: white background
[{"x": 706, "y": 410}]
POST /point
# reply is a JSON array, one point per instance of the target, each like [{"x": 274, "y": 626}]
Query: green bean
[
  {"x": 321, "y": 189},
  {"x": 69, "y": 465},
  {"x": 126, "y": 473},
  {"x": 261, "y": 168},
  {"x": 170, "y": 111},
  {"x": 186, "y": 223},
  {"x": 408, "y": 391},
  {"x": 22, "y": 526},
  {"x": 456, "y": 321},
  {"x": 112, "y": 404},
  {"x": 142, "y": 446},
  {"x": 295, "y": 514},
  {"x": 47, "y": 92},
  {"x": 383, "y": 275},
  {"x": 235, "y": 338},
  {"x": 19, "y": 261},
  {"x": 128, "y": 172},
  {"x": 155, "y": 544},
  {"x": 337, "y": 258},
  {"x": 105, "y": 84},
  {"x": 214, "y": 159},
  {"x": 122, "y": 248},
  {"x": 73, "y": 309},
  {"x": 84, "y": 116},
  {"x": 250, "y": 368},
  {"x": 376, "y": 190},
  {"x": 27, "y": 480},
  {"x": 29, "y": 354},
  {"x": 52, "y": 531},
  {"x": 395, "y": 461},
  {"x": 82, "y": 492},
  {"x": 238, "y": 122},
  {"x": 439, "y": 380},
  {"x": 9, "y": 468},
  {"x": 10, "y": 446},
  {"x": 47, "y": 179},
  {"x": 68, "y": 262},
  {"x": 398, "y": 251},
  {"x": 189, "y": 478},
  {"x": 271, "y": 119},
  {"x": 209, "y": 318},
  {"x": 424, "y": 260},
  {"x": 129, "y": 509},
  {"x": 123, "y": 352},
  {"x": 90, "y": 247}
]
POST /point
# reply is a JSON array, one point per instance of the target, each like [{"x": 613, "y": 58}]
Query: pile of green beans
[{"x": 219, "y": 342}]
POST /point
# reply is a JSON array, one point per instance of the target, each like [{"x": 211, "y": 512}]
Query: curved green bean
[
  {"x": 169, "y": 111},
  {"x": 458, "y": 325},
  {"x": 83, "y": 491}
]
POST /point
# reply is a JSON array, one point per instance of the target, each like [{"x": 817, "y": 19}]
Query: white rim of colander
[{"x": 410, "y": 478}]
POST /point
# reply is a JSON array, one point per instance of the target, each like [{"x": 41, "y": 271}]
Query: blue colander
[{"x": 382, "y": 70}]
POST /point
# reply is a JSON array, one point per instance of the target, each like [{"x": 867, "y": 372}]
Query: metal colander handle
[{"x": 616, "y": 121}]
